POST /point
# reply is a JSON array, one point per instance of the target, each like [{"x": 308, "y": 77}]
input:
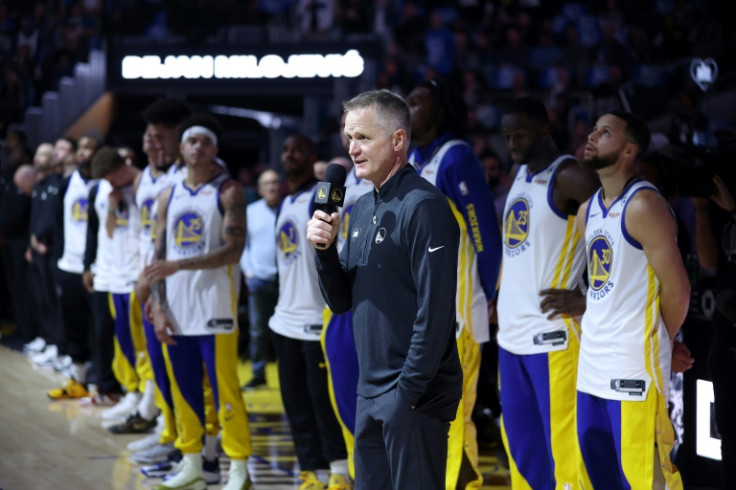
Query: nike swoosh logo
[{"x": 430, "y": 249}]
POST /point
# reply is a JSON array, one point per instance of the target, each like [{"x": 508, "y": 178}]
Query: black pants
[
  {"x": 303, "y": 378},
  {"x": 262, "y": 299},
  {"x": 103, "y": 349},
  {"x": 722, "y": 367},
  {"x": 402, "y": 448},
  {"x": 16, "y": 275},
  {"x": 44, "y": 300},
  {"x": 76, "y": 312}
]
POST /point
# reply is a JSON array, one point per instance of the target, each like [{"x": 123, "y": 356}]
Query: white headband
[{"x": 199, "y": 130}]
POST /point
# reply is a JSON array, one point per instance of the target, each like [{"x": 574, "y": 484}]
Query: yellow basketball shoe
[
  {"x": 310, "y": 481},
  {"x": 73, "y": 389},
  {"x": 339, "y": 482}
]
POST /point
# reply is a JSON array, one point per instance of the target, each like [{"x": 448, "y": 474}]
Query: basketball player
[
  {"x": 75, "y": 301},
  {"x": 637, "y": 299},
  {"x": 117, "y": 271},
  {"x": 443, "y": 157},
  {"x": 200, "y": 235},
  {"x": 160, "y": 145},
  {"x": 539, "y": 303},
  {"x": 297, "y": 325}
]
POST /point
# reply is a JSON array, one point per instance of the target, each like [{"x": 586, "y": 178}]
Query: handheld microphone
[{"x": 330, "y": 194}]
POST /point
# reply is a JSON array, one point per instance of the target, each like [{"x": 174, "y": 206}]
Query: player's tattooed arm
[{"x": 153, "y": 272}]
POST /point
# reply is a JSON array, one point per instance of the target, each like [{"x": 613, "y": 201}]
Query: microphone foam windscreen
[{"x": 335, "y": 174}]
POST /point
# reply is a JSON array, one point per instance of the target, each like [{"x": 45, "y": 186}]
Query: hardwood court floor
[{"x": 48, "y": 444}]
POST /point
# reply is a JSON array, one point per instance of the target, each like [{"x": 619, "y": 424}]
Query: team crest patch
[
  {"x": 288, "y": 240},
  {"x": 80, "y": 210},
  {"x": 189, "y": 232},
  {"x": 600, "y": 258},
  {"x": 516, "y": 226}
]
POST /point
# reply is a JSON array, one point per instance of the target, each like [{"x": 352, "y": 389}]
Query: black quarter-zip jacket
[{"x": 398, "y": 272}]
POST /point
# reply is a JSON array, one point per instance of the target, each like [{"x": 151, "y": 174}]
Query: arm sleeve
[
  {"x": 461, "y": 179},
  {"x": 93, "y": 225},
  {"x": 334, "y": 281},
  {"x": 435, "y": 277}
]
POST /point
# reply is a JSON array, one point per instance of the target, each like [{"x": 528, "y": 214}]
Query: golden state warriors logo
[
  {"x": 122, "y": 217},
  {"x": 345, "y": 222},
  {"x": 80, "y": 209},
  {"x": 600, "y": 258},
  {"x": 336, "y": 196},
  {"x": 189, "y": 232},
  {"x": 146, "y": 215},
  {"x": 516, "y": 227},
  {"x": 288, "y": 240}
]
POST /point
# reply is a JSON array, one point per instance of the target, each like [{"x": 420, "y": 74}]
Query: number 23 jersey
[{"x": 542, "y": 249}]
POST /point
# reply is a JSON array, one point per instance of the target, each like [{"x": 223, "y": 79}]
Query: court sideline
[{"x": 46, "y": 444}]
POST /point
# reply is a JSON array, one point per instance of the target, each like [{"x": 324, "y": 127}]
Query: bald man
[{"x": 259, "y": 266}]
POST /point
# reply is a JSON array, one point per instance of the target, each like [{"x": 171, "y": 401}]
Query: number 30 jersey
[
  {"x": 625, "y": 346},
  {"x": 542, "y": 249}
]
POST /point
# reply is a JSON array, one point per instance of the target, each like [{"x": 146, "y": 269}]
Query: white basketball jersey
[
  {"x": 298, "y": 313},
  {"x": 625, "y": 345},
  {"x": 201, "y": 302},
  {"x": 148, "y": 190},
  {"x": 470, "y": 300},
  {"x": 117, "y": 265},
  {"x": 542, "y": 249},
  {"x": 354, "y": 188},
  {"x": 76, "y": 214}
]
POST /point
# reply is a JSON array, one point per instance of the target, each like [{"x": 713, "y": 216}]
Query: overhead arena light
[{"x": 270, "y": 66}]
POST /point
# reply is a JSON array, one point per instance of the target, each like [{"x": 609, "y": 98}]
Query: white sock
[
  {"x": 340, "y": 467},
  {"x": 322, "y": 475},
  {"x": 78, "y": 372},
  {"x": 239, "y": 462},
  {"x": 147, "y": 404},
  {"x": 210, "y": 447}
]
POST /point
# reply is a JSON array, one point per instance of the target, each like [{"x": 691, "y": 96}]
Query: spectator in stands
[
  {"x": 439, "y": 43},
  {"x": 315, "y": 17},
  {"x": 12, "y": 97},
  {"x": 16, "y": 151},
  {"x": 355, "y": 17}
]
